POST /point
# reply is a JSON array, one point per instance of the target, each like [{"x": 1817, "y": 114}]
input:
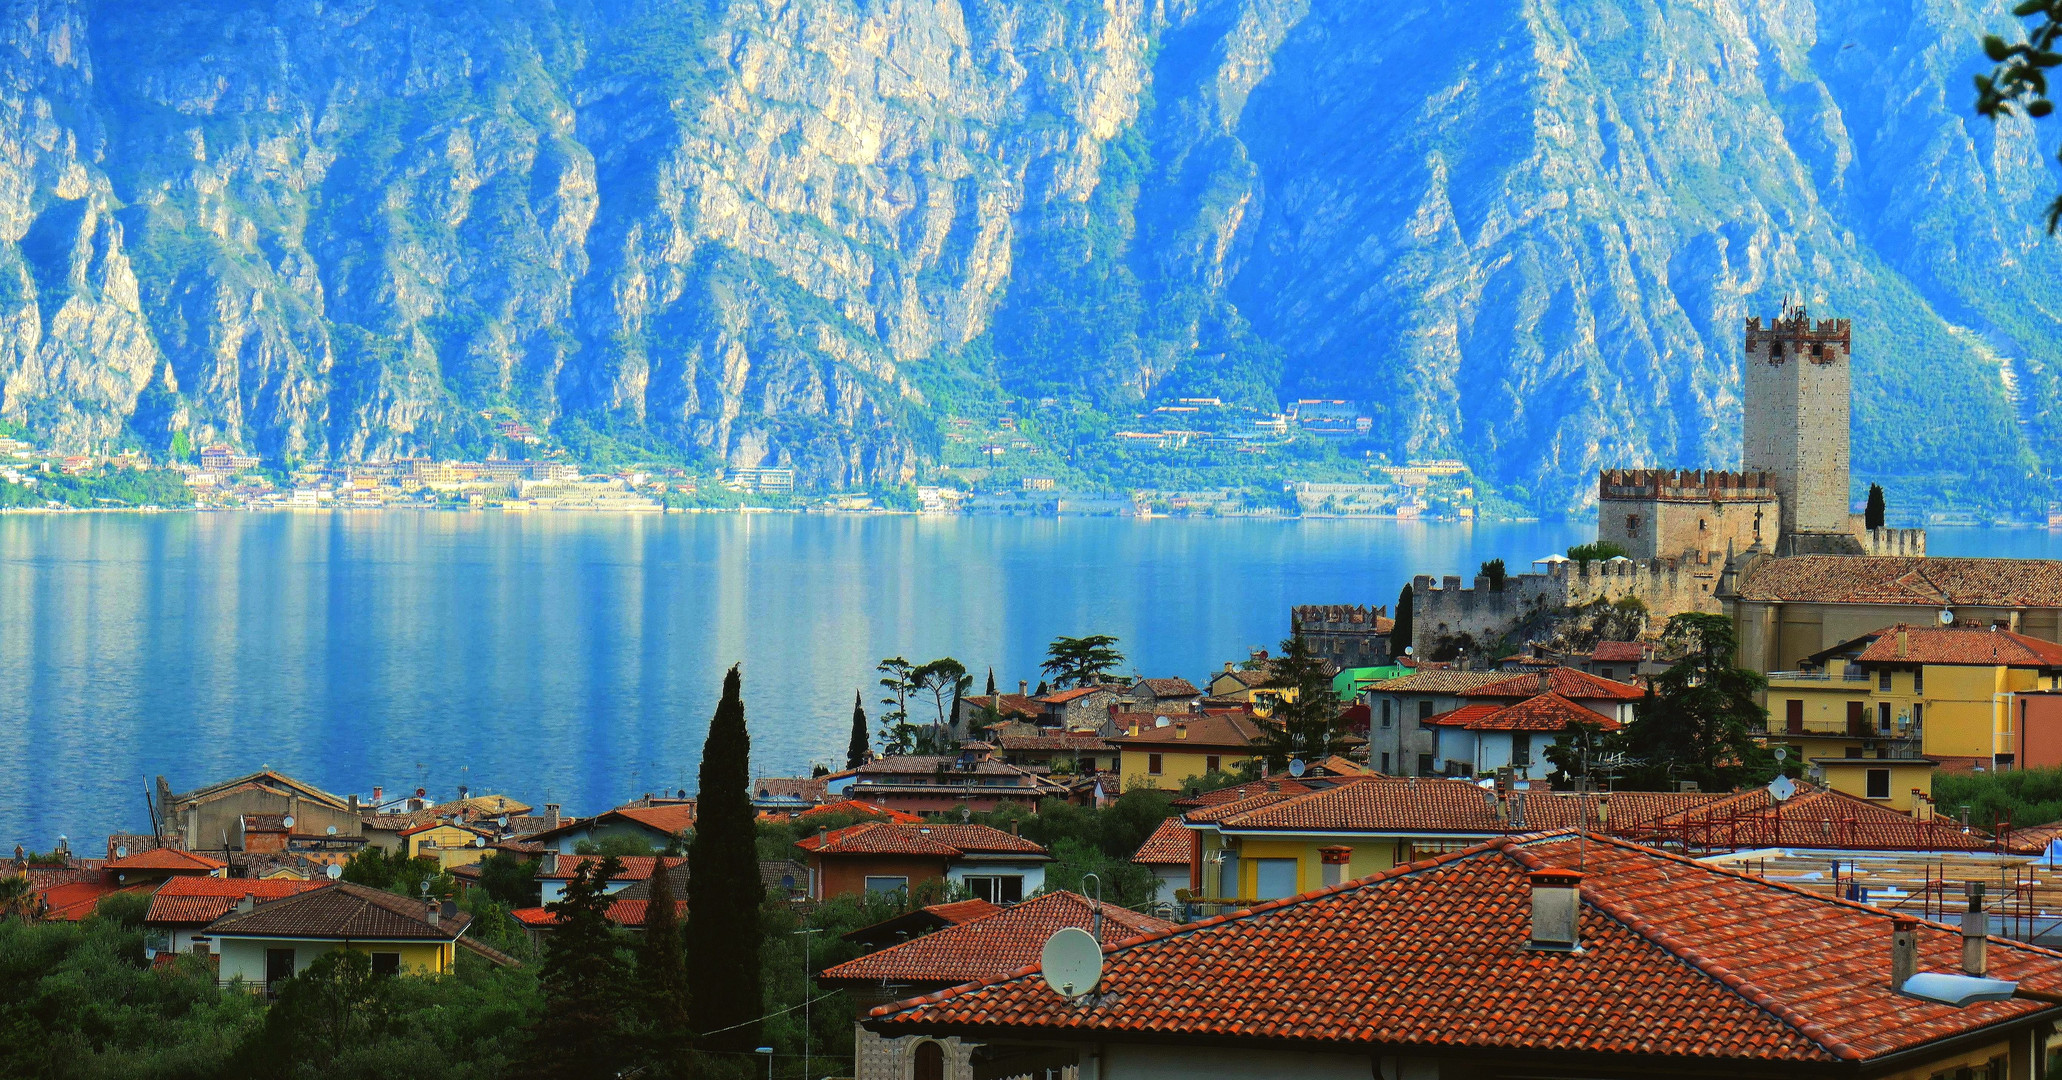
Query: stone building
[
  {"x": 1657, "y": 513},
  {"x": 1349, "y": 635},
  {"x": 1798, "y": 387}
]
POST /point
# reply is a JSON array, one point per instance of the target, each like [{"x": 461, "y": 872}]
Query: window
[
  {"x": 1793, "y": 715},
  {"x": 1228, "y": 876},
  {"x": 386, "y": 963},
  {"x": 997, "y": 888},
  {"x": 1879, "y": 783},
  {"x": 1883, "y": 716},
  {"x": 1385, "y": 761},
  {"x": 1424, "y": 764},
  {"x": 1213, "y": 763},
  {"x": 1919, "y": 716},
  {"x": 1857, "y": 718},
  {"x": 1883, "y": 680},
  {"x": 1153, "y": 764},
  {"x": 1918, "y": 680},
  {"x": 1609, "y": 673},
  {"x": 1424, "y": 711},
  {"x": 1521, "y": 749},
  {"x": 279, "y": 965},
  {"x": 930, "y": 1061},
  {"x": 1632, "y": 526},
  {"x": 1700, "y": 524},
  {"x": 1274, "y": 878},
  {"x": 886, "y": 884},
  {"x": 1385, "y": 712}
]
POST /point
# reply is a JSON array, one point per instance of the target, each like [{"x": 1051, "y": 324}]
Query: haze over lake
[{"x": 576, "y": 658}]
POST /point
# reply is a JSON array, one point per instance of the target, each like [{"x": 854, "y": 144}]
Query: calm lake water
[{"x": 576, "y": 658}]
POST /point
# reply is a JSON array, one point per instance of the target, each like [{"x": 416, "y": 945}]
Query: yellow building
[
  {"x": 261, "y": 944},
  {"x": 1180, "y": 747},
  {"x": 1944, "y": 693},
  {"x": 1900, "y": 783},
  {"x": 451, "y": 845}
]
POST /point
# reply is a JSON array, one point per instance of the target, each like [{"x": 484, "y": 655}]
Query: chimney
[
  {"x": 1181, "y": 729},
  {"x": 1975, "y": 932},
  {"x": 435, "y": 916},
  {"x": 1134, "y": 727},
  {"x": 351, "y": 805},
  {"x": 377, "y": 793},
  {"x": 1556, "y": 908},
  {"x": 551, "y": 815},
  {"x": 1603, "y": 812},
  {"x": 1113, "y": 710},
  {"x": 293, "y": 808},
  {"x": 1335, "y": 858},
  {"x": 248, "y": 902},
  {"x": 1227, "y": 667},
  {"x": 1023, "y": 688},
  {"x": 1904, "y": 951},
  {"x": 1904, "y": 643},
  {"x": 1546, "y": 680},
  {"x": 1922, "y": 806},
  {"x": 823, "y": 836}
]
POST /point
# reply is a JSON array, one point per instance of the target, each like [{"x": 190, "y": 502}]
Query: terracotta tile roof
[
  {"x": 263, "y": 780},
  {"x": 428, "y": 825},
  {"x": 1679, "y": 960},
  {"x": 1463, "y": 716},
  {"x": 929, "y": 765},
  {"x": 264, "y": 823},
  {"x": 1565, "y": 681},
  {"x": 964, "y": 911},
  {"x": 397, "y": 822},
  {"x": 1341, "y": 766},
  {"x": 1168, "y": 846},
  {"x": 920, "y": 921},
  {"x": 1813, "y": 819},
  {"x": 1618, "y": 652},
  {"x": 1902, "y": 644},
  {"x": 1438, "y": 806},
  {"x": 989, "y": 947},
  {"x": 341, "y": 910},
  {"x": 1168, "y": 688},
  {"x": 1250, "y": 678},
  {"x": 1220, "y": 796},
  {"x": 1547, "y": 712},
  {"x": 671, "y": 819},
  {"x": 1216, "y": 731},
  {"x": 75, "y": 901},
  {"x": 1012, "y": 704},
  {"x": 861, "y": 806},
  {"x": 945, "y": 841},
  {"x": 165, "y": 858},
  {"x": 1439, "y": 681},
  {"x": 191, "y": 901},
  {"x": 1072, "y": 741},
  {"x": 1061, "y": 697},
  {"x": 635, "y": 867},
  {"x": 806, "y": 788},
  {"x": 1924, "y": 582},
  {"x": 621, "y": 911},
  {"x": 480, "y": 806}
]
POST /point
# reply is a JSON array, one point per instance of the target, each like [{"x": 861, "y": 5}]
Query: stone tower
[{"x": 1798, "y": 384}]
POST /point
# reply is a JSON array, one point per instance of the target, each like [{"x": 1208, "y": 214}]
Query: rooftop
[
  {"x": 1903, "y": 644},
  {"x": 1678, "y": 960},
  {"x": 1565, "y": 681},
  {"x": 1547, "y": 712},
  {"x": 166, "y": 858},
  {"x": 341, "y": 910},
  {"x": 987, "y": 947},
  {"x": 198, "y": 901},
  {"x": 1930, "y": 581},
  {"x": 946, "y": 841},
  {"x": 1168, "y": 846},
  {"x": 1216, "y": 730}
]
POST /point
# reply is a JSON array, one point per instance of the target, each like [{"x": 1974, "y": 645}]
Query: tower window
[
  {"x": 1632, "y": 525},
  {"x": 1700, "y": 524}
]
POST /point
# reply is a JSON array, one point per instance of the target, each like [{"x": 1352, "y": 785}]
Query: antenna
[{"x": 1071, "y": 963}]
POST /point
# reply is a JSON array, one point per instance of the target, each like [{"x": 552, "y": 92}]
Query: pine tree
[
  {"x": 662, "y": 969},
  {"x": 1306, "y": 721},
  {"x": 1399, "y": 637},
  {"x": 858, "y": 751},
  {"x": 991, "y": 682},
  {"x": 1873, "y": 516},
  {"x": 581, "y": 1031},
  {"x": 723, "y": 889}
]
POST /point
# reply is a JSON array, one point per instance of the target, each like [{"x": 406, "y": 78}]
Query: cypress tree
[
  {"x": 661, "y": 965},
  {"x": 723, "y": 890},
  {"x": 991, "y": 682},
  {"x": 1399, "y": 637},
  {"x": 1873, "y": 516},
  {"x": 858, "y": 750},
  {"x": 581, "y": 1032}
]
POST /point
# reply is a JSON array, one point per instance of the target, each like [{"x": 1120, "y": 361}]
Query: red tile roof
[
  {"x": 74, "y": 901},
  {"x": 198, "y": 900},
  {"x": 1565, "y": 681},
  {"x": 1061, "y": 697},
  {"x": 1812, "y": 819},
  {"x": 621, "y": 912},
  {"x": 672, "y": 819},
  {"x": 1546, "y": 712},
  {"x": 341, "y": 911},
  {"x": 1918, "y": 581},
  {"x": 1215, "y": 731},
  {"x": 1169, "y": 688},
  {"x": 635, "y": 867},
  {"x": 989, "y": 947},
  {"x": 1437, "y": 806},
  {"x": 1439, "y": 681},
  {"x": 1679, "y": 960},
  {"x": 1618, "y": 652},
  {"x": 1465, "y": 715},
  {"x": 166, "y": 858},
  {"x": 1168, "y": 846},
  {"x": 859, "y": 806},
  {"x": 1904, "y": 644},
  {"x": 1069, "y": 742},
  {"x": 944, "y": 841}
]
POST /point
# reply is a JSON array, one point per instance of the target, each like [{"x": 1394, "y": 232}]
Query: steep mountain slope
[{"x": 1523, "y": 232}]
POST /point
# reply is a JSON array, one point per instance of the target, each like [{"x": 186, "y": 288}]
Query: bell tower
[{"x": 1798, "y": 386}]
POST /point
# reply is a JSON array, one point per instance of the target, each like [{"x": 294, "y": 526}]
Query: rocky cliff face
[{"x": 766, "y": 232}]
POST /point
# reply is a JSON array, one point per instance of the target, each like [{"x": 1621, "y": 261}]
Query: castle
[{"x": 1680, "y": 528}]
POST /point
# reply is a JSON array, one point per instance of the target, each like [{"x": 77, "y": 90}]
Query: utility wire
[{"x": 768, "y": 1016}]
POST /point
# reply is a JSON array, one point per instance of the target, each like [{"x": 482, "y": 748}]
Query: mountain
[{"x": 1522, "y": 233}]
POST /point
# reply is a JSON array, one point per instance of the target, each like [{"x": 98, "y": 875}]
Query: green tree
[
  {"x": 2019, "y": 82},
  {"x": 585, "y": 977},
  {"x": 323, "y": 1012},
  {"x": 1082, "y": 661},
  {"x": 942, "y": 679},
  {"x": 1600, "y": 551},
  {"x": 395, "y": 872},
  {"x": 1305, "y": 721},
  {"x": 1399, "y": 635},
  {"x": 510, "y": 879},
  {"x": 857, "y": 751},
  {"x": 723, "y": 888},
  {"x": 662, "y": 972},
  {"x": 618, "y": 844},
  {"x": 19, "y": 898},
  {"x": 1699, "y": 718},
  {"x": 1873, "y": 516},
  {"x": 898, "y": 735},
  {"x": 1583, "y": 752},
  {"x": 1495, "y": 572}
]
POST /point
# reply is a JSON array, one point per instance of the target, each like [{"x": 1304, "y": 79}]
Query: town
[{"x": 1749, "y": 785}]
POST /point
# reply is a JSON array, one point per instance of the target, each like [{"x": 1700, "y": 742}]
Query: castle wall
[
  {"x": 1665, "y": 513},
  {"x": 1798, "y": 393},
  {"x": 1887, "y": 541},
  {"x": 1667, "y": 586}
]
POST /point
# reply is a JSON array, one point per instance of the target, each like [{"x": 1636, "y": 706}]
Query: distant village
[{"x": 1410, "y": 844}]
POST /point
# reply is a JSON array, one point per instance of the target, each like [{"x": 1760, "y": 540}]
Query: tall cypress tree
[
  {"x": 661, "y": 965},
  {"x": 1399, "y": 636},
  {"x": 581, "y": 1032},
  {"x": 1873, "y": 515},
  {"x": 858, "y": 750},
  {"x": 723, "y": 890}
]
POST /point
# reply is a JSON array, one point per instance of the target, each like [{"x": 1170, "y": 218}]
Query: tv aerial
[{"x": 1071, "y": 963}]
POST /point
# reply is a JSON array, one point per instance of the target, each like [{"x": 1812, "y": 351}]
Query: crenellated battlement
[
  {"x": 1684, "y": 485},
  {"x": 1668, "y": 586},
  {"x": 1794, "y": 334}
]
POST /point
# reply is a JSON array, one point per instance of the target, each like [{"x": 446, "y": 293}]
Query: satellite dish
[
  {"x": 1071, "y": 962},
  {"x": 1946, "y": 616},
  {"x": 332, "y": 830},
  {"x": 1297, "y": 768},
  {"x": 1782, "y": 753},
  {"x": 425, "y": 886},
  {"x": 335, "y": 871},
  {"x": 121, "y": 851},
  {"x": 286, "y": 822},
  {"x": 479, "y": 841},
  {"x": 1781, "y": 788}
]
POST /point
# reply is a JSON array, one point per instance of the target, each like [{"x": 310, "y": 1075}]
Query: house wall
[
  {"x": 845, "y": 875},
  {"x": 566, "y": 844},
  {"x": 1776, "y": 636},
  {"x": 1906, "y": 774},
  {"x": 1371, "y": 855},
  {"x": 245, "y": 957},
  {"x": 1177, "y": 763},
  {"x": 877, "y": 1058},
  {"x": 219, "y": 822},
  {"x": 1650, "y": 528},
  {"x": 2040, "y": 731},
  {"x": 1150, "y": 1062},
  {"x": 1033, "y": 873}
]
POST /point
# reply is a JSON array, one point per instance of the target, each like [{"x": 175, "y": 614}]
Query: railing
[{"x": 1799, "y": 676}]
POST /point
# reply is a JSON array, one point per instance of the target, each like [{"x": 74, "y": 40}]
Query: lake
[{"x": 576, "y": 658}]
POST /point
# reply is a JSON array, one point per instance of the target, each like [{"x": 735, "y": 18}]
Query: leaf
[
  {"x": 1995, "y": 48},
  {"x": 2030, "y": 7},
  {"x": 2040, "y": 108}
]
